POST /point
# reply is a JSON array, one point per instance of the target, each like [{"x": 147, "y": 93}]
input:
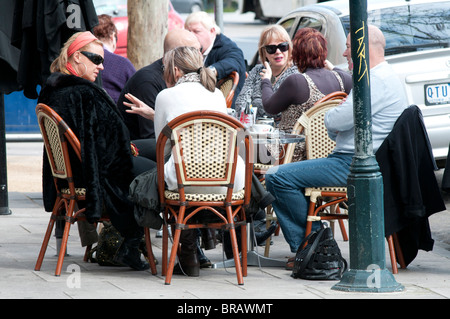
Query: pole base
[
  {"x": 378, "y": 280},
  {"x": 5, "y": 211}
]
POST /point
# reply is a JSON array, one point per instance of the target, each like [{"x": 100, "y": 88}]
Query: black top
[{"x": 145, "y": 84}]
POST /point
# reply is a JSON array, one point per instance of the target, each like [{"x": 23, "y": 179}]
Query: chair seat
[
  {"x": 78, "y": 191},
  {"x": 204, "y": 197},
  {"x": 309, "y": 190},
  {"x": 262, "y": 167}
]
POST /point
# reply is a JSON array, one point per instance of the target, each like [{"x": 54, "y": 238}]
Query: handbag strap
[{"x": 312, "y": 249}]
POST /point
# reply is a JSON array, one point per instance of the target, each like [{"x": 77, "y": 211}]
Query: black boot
[
  {"x": 130, "y": 255},
  {"x": 188, "y": 260},
  {"x": 204, "y": 261}
]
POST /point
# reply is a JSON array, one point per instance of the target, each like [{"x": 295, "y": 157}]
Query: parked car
[
  {"x": 117, "y": 9},
  {"x": 187, "y": 6},
  {"x": 417, "y": 46}
]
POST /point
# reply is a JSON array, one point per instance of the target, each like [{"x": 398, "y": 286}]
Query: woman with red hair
[{"x": 300, "y": 91}]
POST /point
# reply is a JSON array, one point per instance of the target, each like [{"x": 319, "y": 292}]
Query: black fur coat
[{"x": 106, "y": 165}]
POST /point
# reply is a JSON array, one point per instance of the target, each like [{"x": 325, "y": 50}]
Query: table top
[{"x": 276, "y": 138}]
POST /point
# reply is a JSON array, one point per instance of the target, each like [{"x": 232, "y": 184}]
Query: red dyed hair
[{"x": 309, "y": 49}]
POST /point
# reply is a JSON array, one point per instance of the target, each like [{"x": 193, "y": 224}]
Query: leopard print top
[{"x": 293, "y": 112}]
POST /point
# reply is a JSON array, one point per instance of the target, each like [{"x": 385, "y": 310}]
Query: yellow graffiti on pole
[{"x": 363, "y": 69}]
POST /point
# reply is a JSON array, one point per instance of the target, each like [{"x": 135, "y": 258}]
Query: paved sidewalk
[{"x": 21, "y": 233}]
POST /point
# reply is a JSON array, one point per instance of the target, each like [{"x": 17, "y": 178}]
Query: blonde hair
[
  {"x": 204, "y": 18},
  {"x": 187, "y": 60},
  {"x": 59, "y": 64},
  {"x": 273, "y": 33}
]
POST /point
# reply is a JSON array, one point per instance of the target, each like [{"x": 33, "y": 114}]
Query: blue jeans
[{"x": 287, "y": 183}]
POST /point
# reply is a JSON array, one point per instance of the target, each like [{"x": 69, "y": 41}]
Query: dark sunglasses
[
  {"x": 93, "y": 57},
  {"x": 271, "y": 49}
]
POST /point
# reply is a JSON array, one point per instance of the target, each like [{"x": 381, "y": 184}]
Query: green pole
[{"x": 367, "y": 271}]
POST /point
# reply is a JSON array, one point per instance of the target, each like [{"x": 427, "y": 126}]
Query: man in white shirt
[{"x": 287, "y": 182}]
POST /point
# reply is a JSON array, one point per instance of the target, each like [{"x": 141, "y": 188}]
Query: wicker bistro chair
[
  {"x": 325, "y": 201},
  {"x": 319, "y": 145},
  {"x": 57, "y": 137},
  {"x": 228, "y": 87},
  {"x": 205, "y": 147}
]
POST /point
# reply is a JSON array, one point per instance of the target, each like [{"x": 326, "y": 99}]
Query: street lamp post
[{"x": 367, "y": 271}]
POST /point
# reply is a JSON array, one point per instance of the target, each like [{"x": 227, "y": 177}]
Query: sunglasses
[
  {"x": 93, "y": 57},
  {"x": 271, "y": 49}
]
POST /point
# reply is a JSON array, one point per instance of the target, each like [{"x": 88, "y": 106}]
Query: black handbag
[{"x": 319, "y": 257}]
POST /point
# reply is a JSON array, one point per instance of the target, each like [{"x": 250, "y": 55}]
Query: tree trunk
[{"x": 147, "y": 27}]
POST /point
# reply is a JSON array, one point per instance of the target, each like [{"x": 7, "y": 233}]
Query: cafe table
[{"x": 253, "y": 257}]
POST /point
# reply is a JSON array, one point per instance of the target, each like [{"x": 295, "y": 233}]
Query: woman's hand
[
  {"x": 138, "y": 107},
  {"x": 267, "y": 72}
]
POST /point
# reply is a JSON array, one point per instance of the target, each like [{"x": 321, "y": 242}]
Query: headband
[{"x": 83, "y": 39}]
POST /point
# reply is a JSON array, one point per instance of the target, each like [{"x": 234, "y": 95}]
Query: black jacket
[
  {"x": 227, "y": 57},
  {"x": 106, "y": 165},
  {"x": 411, "y": 191}
]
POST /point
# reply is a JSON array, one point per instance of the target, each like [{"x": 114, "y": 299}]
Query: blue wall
[{"x": 20, "y": 116}]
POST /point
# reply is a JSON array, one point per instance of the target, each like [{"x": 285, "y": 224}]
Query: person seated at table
[
  {"x": 190, "y": 87},
  {"x": 287, "y": 182},
  {"x": 220, "y": 53},
  {"x": 107, "y": 166},
  {"x": 299, "y": 92},
  {"x": 275, "y": 47},
  {"x": 117, "y": 69}
]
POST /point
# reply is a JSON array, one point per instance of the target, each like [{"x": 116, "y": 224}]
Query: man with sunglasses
[{"x": 220, "y": 53}]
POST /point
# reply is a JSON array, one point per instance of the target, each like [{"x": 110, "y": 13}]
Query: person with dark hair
[
  {"x": 299, "y": 92},
  {"x": 117, "y": 69}
]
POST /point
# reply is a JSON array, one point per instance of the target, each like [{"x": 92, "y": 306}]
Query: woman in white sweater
[{"x": 190, "y": 87}]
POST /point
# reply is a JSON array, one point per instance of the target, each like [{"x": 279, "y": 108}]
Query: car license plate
[{"x": 436, "y": 94}]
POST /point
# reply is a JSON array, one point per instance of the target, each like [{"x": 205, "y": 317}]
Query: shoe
[
  {"x": 189, "y": 263},
  {"x": 129, "y": 255},
  {"x": 203, "y": 260},
  {"x": 290, "y": 263},
  {"x": 263, "y": 235}
]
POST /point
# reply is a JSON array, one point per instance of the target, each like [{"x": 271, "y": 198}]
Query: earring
[{"x": 85, "y": 70}]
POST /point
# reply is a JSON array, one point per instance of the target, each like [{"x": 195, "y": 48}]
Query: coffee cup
[{"x": 261, "y": 128}]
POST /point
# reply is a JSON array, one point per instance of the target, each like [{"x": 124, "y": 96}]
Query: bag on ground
[{"x": 319, "y": 257}]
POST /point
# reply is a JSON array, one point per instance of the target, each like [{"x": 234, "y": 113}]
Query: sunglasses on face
[
  {"x": 271, "y": 49},
  {"x": 93, "y": 57}
]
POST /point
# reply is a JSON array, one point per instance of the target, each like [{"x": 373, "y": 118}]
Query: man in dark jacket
[{"x": 221, "y": 54}]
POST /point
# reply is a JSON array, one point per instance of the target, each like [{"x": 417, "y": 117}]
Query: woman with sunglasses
[
  {"x": 300, "y": 91},
  {"x": 275, "y": 47},
  {"x": 107, "y": 165}
]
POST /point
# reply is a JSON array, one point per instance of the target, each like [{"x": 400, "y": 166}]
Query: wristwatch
[{"x": 213, "y": 69}]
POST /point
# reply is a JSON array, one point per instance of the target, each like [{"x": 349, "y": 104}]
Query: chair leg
[
  {"x": 343, "y": 230},
  {"x": 312, "y": 206},
  {"x": 398, "y": 251},
  {"x": 86, "y": 253},
  {"x": 62, "y": 250},
  {"x": 47, "y": 235},
  {"x": 173, "y": 255},
  {"x": 244, "y": 249},
  {"x": 392, "y": 254},
  {"x": 148, "y": 244},
  {"x": 234, "y": 245}
]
